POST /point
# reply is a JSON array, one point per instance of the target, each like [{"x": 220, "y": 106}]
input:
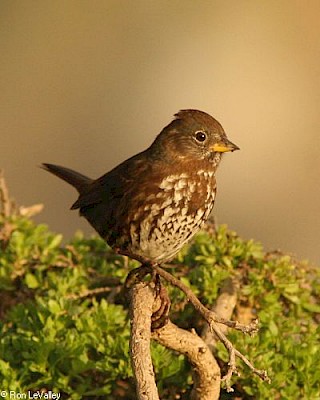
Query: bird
[{"x": 149, "y": 206}]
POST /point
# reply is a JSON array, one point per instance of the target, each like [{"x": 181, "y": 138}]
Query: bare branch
[
  {"x": 214, "y": 320},
  {"x": 141, "y": 304},
  {"x": 207, "y": 314},
  {"x": 6, "y": 203},
  {"x": 223, "y": 307},
  {"x": 30, "y": 211},
  {"x": 90, "y": 293},
  {"x": 206, "y": 369},
  {"x": 6, "y": 209},
  {"x": 148, "y": 299}
]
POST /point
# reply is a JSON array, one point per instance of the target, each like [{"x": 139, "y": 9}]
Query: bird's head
[{"x": 192, "y": 135}]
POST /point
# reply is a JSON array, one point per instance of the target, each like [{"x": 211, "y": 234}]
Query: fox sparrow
[{"x": 150, "y": 205}]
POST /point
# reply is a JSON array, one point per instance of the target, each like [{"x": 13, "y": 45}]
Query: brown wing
[{"x": 106, "y": 200}]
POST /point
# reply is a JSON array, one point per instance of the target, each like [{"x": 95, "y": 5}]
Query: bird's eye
[{"x": 200, "y": 136}]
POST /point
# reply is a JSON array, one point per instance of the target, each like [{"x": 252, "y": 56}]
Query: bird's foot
[{"x": 137, "y": 275}]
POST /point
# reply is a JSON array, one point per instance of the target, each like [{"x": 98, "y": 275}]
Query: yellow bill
[{"x": 223, "y": 147}]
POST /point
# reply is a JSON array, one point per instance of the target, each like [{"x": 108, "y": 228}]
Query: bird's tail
[{"x": 74, "y": 178}]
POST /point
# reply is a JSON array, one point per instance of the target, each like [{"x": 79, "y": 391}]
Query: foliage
[{"x": 64, "y": 324}]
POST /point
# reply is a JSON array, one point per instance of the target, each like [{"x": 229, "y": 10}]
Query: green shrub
[{"x": 64, "y": 325}]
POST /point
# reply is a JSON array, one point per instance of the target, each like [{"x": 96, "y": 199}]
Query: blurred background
[{"x": 86, "y": 84}]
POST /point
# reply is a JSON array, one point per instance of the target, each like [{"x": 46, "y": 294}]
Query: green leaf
[
  {"x": 314, "y": 308},
  {"x": 31, "y": 281}
]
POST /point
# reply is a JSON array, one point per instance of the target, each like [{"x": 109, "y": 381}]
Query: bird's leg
[
  {"x": 162, "y": 300},
  {"x": 162, "y": 305}
]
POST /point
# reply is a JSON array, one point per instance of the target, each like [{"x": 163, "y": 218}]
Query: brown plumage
[{"x": 150, "y": 205}]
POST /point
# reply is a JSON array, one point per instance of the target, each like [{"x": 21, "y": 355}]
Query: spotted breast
[{"x": 171, "y": 215}]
